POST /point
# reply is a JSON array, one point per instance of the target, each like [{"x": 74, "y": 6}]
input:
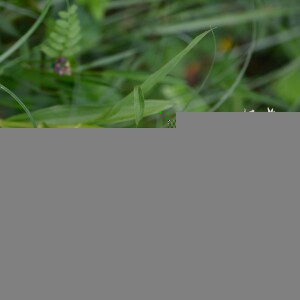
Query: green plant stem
[{"x": 21, "y": 104}]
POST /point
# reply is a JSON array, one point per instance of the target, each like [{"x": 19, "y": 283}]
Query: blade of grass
[
  {"x": 165, "y": 70},
  {"x": 18, "y": 9},
  {"x": 225, "y": 20},
  {"x": 158, "y": 76},
  {"x": 21, "y": 104},
  {"x": 208, "y": 74},
  {"x": 152, "y": 107},
  {"x": 8, "y": 124},
  {"x": 124, "y": 4},
  {"x": 139, "y": 104},
  {"x": 284, "y": 71},
  {"x": 25, "y": 37},
  {"x": 106, "y": 61},
  {"x": 137, "y": 76},
  {"x": 59, "y": 115}
]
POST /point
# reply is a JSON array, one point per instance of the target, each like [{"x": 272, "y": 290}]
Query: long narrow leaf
[
  {"x": 20, "y": 102},
  {"x": 139, "y": 104},
  {"x": 158, "y": 76},
  {"x": 62, "y": 114},
  {"x": 152, "y": 107},
  {"x": 68, "y": 115},
  {"x": 221, "y": 20},
  {"x": 25, "y": 37}
]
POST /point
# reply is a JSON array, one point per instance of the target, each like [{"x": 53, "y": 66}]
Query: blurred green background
[{"x": 250, "y": 60}]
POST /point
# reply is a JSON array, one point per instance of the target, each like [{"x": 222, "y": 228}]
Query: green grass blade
[
  {"x": 208, "y": 74},
  {"x": 106, "y": 61},
  {"x": 123, "y": 4},
  {"x": 63, "y": 114},
  {"x": 68, "y": 115},
  {"x": 25, "y": 37},
  {"x": 158, "y": 76},
  {"x": 152, "y": 107},
  {"x": 165, "y": 70},
  {"x": 139, "y": 104},
  {"x": 21, "y": 104},
  {"x": 225, "y": 20},
  {"x": 18, "y": 9}
]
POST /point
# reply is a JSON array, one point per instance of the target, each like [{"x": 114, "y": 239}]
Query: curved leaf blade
[
  {"x": 26, "y": 36},
  {"x": 158, "y": 76},
  {"x": 139, "y": 104}
]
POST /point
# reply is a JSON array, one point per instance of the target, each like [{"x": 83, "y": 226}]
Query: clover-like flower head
[{"x": 62, "y": 67}]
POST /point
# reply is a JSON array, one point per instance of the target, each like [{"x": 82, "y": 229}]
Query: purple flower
[
  {"x": 62, "y": 67},
  {"x": 62, "y": 60}
]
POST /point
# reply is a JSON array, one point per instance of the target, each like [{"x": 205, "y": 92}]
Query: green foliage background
[{"x": 114, "y": 47}]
